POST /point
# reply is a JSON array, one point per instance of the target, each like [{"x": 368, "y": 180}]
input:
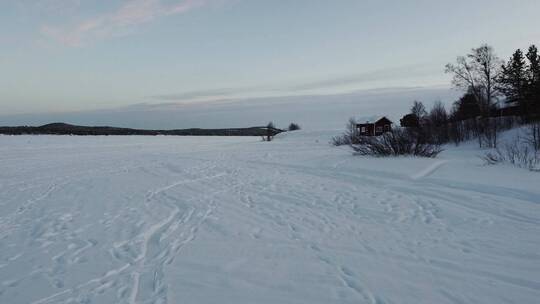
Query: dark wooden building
[{"x": 375, "y": 128}]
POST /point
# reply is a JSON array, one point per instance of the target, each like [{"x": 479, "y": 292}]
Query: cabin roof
[{"x": 375, "y": 120}]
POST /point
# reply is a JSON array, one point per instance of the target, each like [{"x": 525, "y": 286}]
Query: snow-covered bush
[
  {"x": 522, "y": 152},
  {"x": 348, "y": 137},
  {"x": 341, "y": 140},
  {"x": 521, "y": 156},
  {"x": 397, "y": 142}
]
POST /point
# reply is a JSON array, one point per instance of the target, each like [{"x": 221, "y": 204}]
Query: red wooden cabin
[{"x": 376, "y": 128}]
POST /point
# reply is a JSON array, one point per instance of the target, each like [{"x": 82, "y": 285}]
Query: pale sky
[{"x": 68, "y": 55}]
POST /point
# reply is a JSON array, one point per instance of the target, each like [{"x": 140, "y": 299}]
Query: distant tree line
[
  {"x": 266, "y": 132},
  {"x": 497, "y": 96},
  {"x": 67, "y": 129}
]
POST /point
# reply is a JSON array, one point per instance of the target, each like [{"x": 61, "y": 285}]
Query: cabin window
[
  {"x": 387, "y": 127},
  {"x": 379, "y": 129},
  {"x": 363, "y": 129}
]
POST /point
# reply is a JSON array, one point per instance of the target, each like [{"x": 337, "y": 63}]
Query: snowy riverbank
[{"x": 237, "y": 220}]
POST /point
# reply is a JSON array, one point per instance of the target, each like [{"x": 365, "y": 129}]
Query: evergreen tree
[
  {"x": 513, "y": 78},
  {"x": 533, "y": 94},
  {"x": 534, "y": 64},
  {"x": 466, "y": 107},
  {"x": 410, "y": 121}
]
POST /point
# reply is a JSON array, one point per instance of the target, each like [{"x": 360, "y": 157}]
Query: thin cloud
[
  {"x": 129, "y": 14},
  {"x": 328, "y": 85},
  {"x": 366, "y": 77},
  {"x": 201, "y": 94}
]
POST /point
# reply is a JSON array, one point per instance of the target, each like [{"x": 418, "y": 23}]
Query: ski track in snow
[
  {"x": 429, "y": 170},
  {"x": 206, "y": 220},
  {"x": 156, "y": 250}
]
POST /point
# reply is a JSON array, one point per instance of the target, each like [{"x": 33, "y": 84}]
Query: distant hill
[{"x": 67, "y": 129}]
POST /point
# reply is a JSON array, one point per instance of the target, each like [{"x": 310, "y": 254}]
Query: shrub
[
  {"x": 294, "y": 126},
  {"x": 517, "y": 155},
  {"x": 397, "y": 142},
  {"x": 532, "y": 137},
  {"x": 410, "y": 121},
  {"x": 521, "y": 154},
  {"x": 341, "y": 140},
  {"x": 348, "y": 137}
]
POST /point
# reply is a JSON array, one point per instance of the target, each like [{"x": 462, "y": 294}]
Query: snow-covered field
[{"x": 236, "y": 220}]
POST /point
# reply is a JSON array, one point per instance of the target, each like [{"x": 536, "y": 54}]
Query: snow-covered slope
[{"x": 236, "y": 220}]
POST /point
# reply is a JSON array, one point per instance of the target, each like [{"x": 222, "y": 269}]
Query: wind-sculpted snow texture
[{"x": 237, "y": 220}]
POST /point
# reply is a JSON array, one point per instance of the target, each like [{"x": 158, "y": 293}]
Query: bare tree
[
  {"x": 477, "y": 72},
  {"x": 438, "y": 115},
  {"x": 438, "y": 123},
  {"x": 270, "y": 132},
  {"x": 419, "y": 110}
]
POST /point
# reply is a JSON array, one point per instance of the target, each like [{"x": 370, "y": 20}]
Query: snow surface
[{"x": 237, "y": 220}]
